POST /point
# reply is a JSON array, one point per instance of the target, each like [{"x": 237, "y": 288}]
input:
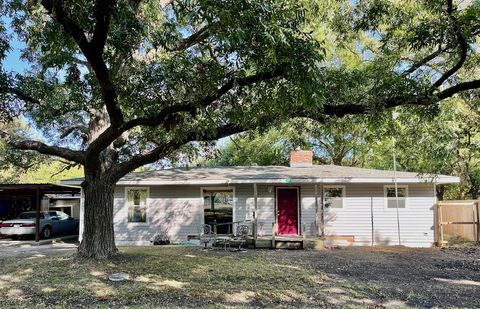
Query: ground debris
[{"x": 175, "y": 276}]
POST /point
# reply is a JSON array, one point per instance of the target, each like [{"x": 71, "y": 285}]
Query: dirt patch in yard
[
  {"x": 191, "y": 277},
  {"x": 403, "y": 276}
]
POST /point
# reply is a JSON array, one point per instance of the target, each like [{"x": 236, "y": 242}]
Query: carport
[{"x": 17, "y": 198}]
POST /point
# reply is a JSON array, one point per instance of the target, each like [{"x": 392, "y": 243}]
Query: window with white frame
[
  {"x": 137, "y": 204},
  {"x": 391, "y": 199},
  {"x": 333, "y": 196},
  {"x": 218, "y": 208}
]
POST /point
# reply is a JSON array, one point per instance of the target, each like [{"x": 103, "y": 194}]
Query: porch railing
[{"x": 230, "y": 229}]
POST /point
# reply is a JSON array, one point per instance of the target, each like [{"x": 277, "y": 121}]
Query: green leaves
[
  {"x": 271, "y": 148},
  {"x": 12, "y": 161},
  {"x": 336, "y": 58}
]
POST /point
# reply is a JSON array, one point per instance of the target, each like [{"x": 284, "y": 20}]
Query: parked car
[{"x": 51, "y": 223}]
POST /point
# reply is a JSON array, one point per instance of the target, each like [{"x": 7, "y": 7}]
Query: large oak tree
[{"x": 115, "y": 85}]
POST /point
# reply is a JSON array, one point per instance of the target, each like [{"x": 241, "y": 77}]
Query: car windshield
[{"x": 30, "y": 215}]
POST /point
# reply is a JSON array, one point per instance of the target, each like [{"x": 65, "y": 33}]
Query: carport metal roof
[{"x": 44, "y": 187}]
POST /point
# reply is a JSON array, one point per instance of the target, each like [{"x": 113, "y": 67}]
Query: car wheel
[{"x": 46, "y": 232}]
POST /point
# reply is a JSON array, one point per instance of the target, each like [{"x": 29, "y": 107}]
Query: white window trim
[
  {"x": 385, "y": 202},
  {"x": 147, "y": 206},
  {"x": 344, "y": 195},
  {"x": 234, "y": 216}
]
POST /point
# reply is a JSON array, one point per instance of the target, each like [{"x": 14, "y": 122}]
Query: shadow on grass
[{"x": 189, "y": 276}]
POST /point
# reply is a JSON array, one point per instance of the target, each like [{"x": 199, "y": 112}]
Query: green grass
[
  {"x": 161, "y": 276},
  {"x": 175, "y": 276}
]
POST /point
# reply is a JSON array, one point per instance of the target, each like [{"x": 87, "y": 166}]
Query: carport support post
[{"x": 37, "y": 216}]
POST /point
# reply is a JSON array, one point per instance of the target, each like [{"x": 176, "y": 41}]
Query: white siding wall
[
  {"x": 308, "y": 210},
  {"x": 265, "y": 208},
  {"x": 416, "y": 220},
  {"x": 177, "y": 211},
  {"x": 244, "y": 205}
]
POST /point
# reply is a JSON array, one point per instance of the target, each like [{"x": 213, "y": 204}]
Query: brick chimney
[{"x": 301, "y": 158}]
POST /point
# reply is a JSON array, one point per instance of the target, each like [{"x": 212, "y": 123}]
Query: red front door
[{"x": 287, "y": 207}]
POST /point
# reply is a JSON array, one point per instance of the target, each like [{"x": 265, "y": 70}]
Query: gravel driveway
[{"x": 29, "y": 250}]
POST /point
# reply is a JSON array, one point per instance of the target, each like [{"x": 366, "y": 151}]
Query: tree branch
[
  {"x": 93, "y": 52},
  {"x": 103, "y": 12},
  {"x": 56, "y": 11},
  {"x": 72, "y": 128},
  {"x": 463, "y": 45},
  {"x": 449, "y": 92},
  {"x": 68, "y": 165},
  {"x": 111, "y": 134},
  {"x": 71, "y": 155},
  {"x": 206, "y": 101},
  {"x": 168, "y": 147},
  {"x": 19, "y": 94},
  {"x": 193, "y": 39},
  {"x": 355, "y": 109},
  {"x": 26, "y": 98},
  {"x": 423, "y": 61}
]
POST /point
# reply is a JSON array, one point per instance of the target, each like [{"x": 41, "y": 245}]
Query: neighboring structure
[
  {"x": 18, "y": 198},
  {"x": 68, "y": 203},
  {"x": 355, "y": 205}
]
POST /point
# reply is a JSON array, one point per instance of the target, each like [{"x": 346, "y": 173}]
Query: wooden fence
[{"x": 458, "y": 219}]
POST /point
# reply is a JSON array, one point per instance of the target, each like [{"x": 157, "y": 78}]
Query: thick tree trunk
[{"x": 98, "y": 240}]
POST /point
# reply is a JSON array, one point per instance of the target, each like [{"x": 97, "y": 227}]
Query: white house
[
  {"x": 68, "y": 203},
  {"x": 356, "y": 205}
]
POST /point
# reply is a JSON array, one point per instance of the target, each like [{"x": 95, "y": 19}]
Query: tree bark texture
[{"x": 98, "y": 240}]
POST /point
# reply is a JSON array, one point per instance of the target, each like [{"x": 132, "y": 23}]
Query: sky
[{"x": 13, "y": 63}]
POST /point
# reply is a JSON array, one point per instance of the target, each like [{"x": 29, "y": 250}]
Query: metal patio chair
[
  {"x": 240, "y": 237},
  {"x": 207, "y": 235}
]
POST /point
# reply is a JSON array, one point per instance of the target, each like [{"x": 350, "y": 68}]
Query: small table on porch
[{"x": 224, "y": 240}]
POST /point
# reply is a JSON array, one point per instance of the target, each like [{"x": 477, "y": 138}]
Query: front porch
[
  {"x": 273, "y": 241},
  {"x": 277, "y": 215},
  {"x": 286, "y": 242}
]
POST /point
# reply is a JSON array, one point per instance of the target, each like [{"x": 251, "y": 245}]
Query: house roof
[{"x": 273, "y": 174}]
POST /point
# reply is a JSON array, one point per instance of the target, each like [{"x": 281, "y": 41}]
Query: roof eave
[{"x": 441, "y": 179}]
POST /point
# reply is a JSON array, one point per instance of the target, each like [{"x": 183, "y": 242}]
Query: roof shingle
[{"x": 250, "y": 174}]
